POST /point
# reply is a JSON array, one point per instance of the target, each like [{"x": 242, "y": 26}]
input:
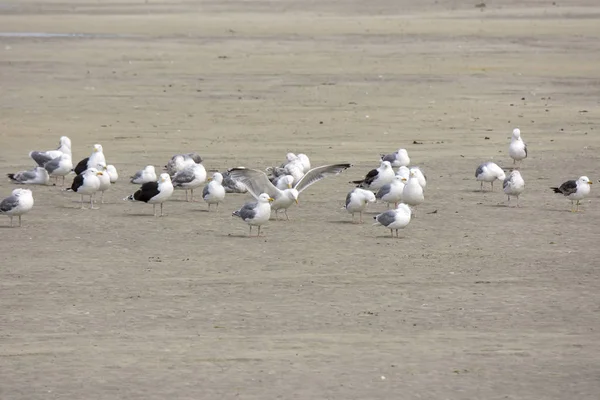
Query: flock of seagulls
[{"x": 275, "y": 189}]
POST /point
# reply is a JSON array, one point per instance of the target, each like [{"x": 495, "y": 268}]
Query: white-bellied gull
[
  {"x": 517, "y": 150},
  {"x": 396, "y": 219},
  {"x": 104, "y": 179},
  {"x": 412, "y": 193},
  {"x": 154, "y": 192},
  {"x": 255, "y": 213},
  {"x": 94, "y": 159},
  {"x": 376, "y": 178},
  {"x": 257, "y": 182},
  {"x": 18, "y": 203},
  {"x": 60, "y": 166},
  {"x": 148, "y": 174},
  {"x": 392, "y": 192},
  {"x": 575, "y": 190},
  {"x": 42, "y": 157},
  {"x": 86, "y": 184},
  {"x": 357, "y": 200},
  {"x": 514, "y": 185},
  {"x": 181, "y": 161},
  {"x": 189, "y": 178},
  {"x": 489, "y": 172},
  {"x": 214, "y": 192},
  {"x": 36, "y": 176},
  {"x": 420, "y": 176},
  {"x": 112, "y": 173},
  {"x": 397, "y": 159}
]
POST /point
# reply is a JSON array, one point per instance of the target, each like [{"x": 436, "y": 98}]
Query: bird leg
[
  {"x": 63, "y": 181},
  {"x": 20, "y": 216},
  {"x": 250, "y": 234},
  {"x": 154, "y": 209},
  {"x": 392, "y": 232},
  {"x": 186, "y": 195},
  {"x": 492, "y": 186},
  {"x": 258, "y": 234},
  {"x": 360, "y": 219},
  {"x": 481, "y": 189},
  {"x": 577, "y": 206},
  {"x": 11, "y": 221},
  {"x": 209, "y": 206},
  {"x": 217, "y": 206},
  {"x": 82, "y": 207},
  {"x": 285, "y": 212},
  {"x": 102, "y": 197},
  {"x": 161, "y": 209},
  {"x": 397, "y": 235},
  {"x": 192, "y": 198},
  {"x": 518, "y": 202},
  {"x": 92, "y": 203}
]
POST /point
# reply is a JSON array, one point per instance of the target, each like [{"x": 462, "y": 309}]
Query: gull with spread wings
[{"x": 257, "y": 182}]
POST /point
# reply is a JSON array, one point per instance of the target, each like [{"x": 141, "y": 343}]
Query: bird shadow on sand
[
  {"x": 242, "y": 236},
  {"x": 137, "y": 215},
  {"x": 344, "y": 222},
  {"x": 389, "y": 237},
  {"x": 202, "y": 210}
]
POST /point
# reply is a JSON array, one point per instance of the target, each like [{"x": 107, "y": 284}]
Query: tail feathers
[
  {"x": 236, "y": 214},
  {"x": 11, "y": 177},
  {"x": 556, "y": 190},
  {"x": 129, "y": 198},
  {"x": 376, "y": 222},
  {"x": 357, "y": 182}
]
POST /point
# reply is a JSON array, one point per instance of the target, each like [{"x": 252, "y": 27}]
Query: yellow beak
[
  {"x": 99, "y": 173},
  {"x": 271, "y": 199},
  {"x": 403, "y": 179},
  {"x": 209, "y": 179},
  {"x": 296, "y": 201},
  {"x": 590, "y": 182}
]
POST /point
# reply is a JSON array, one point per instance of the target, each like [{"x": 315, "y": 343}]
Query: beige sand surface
[{"x": 477, "y": 301}]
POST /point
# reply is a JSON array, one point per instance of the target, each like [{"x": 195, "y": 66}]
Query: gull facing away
[
  {"x": 392, "y": 192},
  {"x": 36, "y": 176},
  {"x": 376, "y": 178},
  {"x": 214, "y": 192},
  {"x": 18, "y": 203},
  {"x": 357, "y": 200},
  {"x": 154, "y": 192},
  {"x": 255, "y": 213},
  {"x": 514, "y": 185},
  {"x": 60, "y": 166},
  {"x": 42, "y": 157},
  {"x": 97, "y": 157},
  {"x": 148, "y": 174},
  {"x": 397, "y": 159},
  {"x": 398, "y": 218},
  {"x": 575, "y": 190},
  {"x": 189, "y": 178},
  {"x": 257, "y": 182},
  {"x": 86, "y": 183},
  {"x": 489, "y": 172},
  {"x": 517, "y": 150}
]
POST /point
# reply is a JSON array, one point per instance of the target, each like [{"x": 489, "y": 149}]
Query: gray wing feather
[
  {"x": 256, "y": 182},
  {"x": 25, "y": 175},
  {"x": 184, "y": 176},
  {"x": 247, "y": 211},
  {"x": 506, "y": 181},
  {"x": 205, "y": 191},
  {"x": 40, "y": 158},
  {"x": 389, "y": 157},
  {"x": 386, "y": 218},
  {"x": 318, "y": 173},
  {"x": 569, "y": 187},
  {"x": 348, "y": 198},
  {"x": 137, "y": 175},
  {"x": 52, "y": 165},
  {"x": 385, "y": 189},
  {"x": 478, "y": 172},
  {"x": 9, "y": 203},
  {"x": 525, "y": 146}
]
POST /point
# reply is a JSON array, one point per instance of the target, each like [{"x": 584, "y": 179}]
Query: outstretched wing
[
  {"x": 255, "y": 181},
  {"x": 318, "y": 173}
]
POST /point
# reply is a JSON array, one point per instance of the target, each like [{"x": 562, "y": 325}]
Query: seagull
[
  {"x": 394, "y": 219},
  {"x": 517, "y": 150},
  {"x": 357, "y": 200},
  {"x": 392, "y": 192},
  {"x": 420, "y": 176},
  {"x": 283, "y": 182},
  {"x": 86, "y": 183},
  {"x": 403, "y": 172},
  {"x": 189, "y": 178},
  {"x": 257, "y": 182},
  {"x": 295, "y": 168},
  {"x": 575, "y": 190},
  {"x": 412, "y": 193},
  {"x": 112, "y": 173},
  {"x": 514, "y": 185},
  {"x": 18, "y": 203},
  {"x": 94, "y": 159},
  {"x": 42, "y": 157},
  {"x": 60, "y": 166},
  {"x": 398, "y": 159},
  {"x": 36, "y": 176},
  {"x": 305, "y": 162},
  {"x": 376, "y": 178},
  {"x": 232, "y": 185},
  {"x": 214, "y": 192},
  {"x": 148, "y": 174},
  {"x": 104, "y": 180},
  {"x": 154, "y": 192},
  {"x": 181, "y": 161},
  {"x": 255, "y": 213},
  {"x": 489, "y": 172}
]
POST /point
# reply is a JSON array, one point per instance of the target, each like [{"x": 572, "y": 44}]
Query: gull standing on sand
[
  {"x": 376, "y": 178},
  {"x": 148, "y": 174},
  {"x": 36, "y": 176},
  {"x": 257, "y": 182},
  {"x": 357, "y": 200},
  {"x": 60, "y": 166},
  {"x": 255, "y": 213},
  {"x": 575, "y": 190},
  {"x": 514, "y": 185},
  {"x": 189, "y": 178},
  {"x": 413, "y": 192},
  {"x": 397, "y": 159},
  {"x": 97, "y": 157},
  {"x": 398, "y": 218},
  {"x": 104, "y": 179},
  {"x": 392, "y": 192},
  {"x": 489, "y": 172},
  {"x": 214, "y": 192},
  {"x": 86, "y": 183},
  {"x": 517, "y": 150},
  {"x": 18, "y": 203},
  {"x": 154, "y": 192},
  {"x": 42, "y": 157}
]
